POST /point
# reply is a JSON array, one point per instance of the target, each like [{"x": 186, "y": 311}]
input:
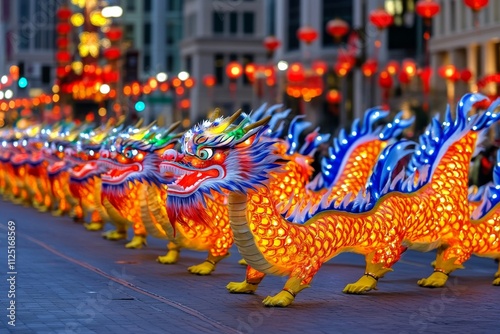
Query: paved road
[{"x": 72, "y": 281}]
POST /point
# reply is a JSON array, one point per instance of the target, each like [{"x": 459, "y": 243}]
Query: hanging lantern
[
  {"x": 250, "y": 70},
  {"x": 295, "y": 72},
  {"x": 465, "y": 75},
  {"x": 342, "y": 69},
  {"x": 112, "y": 53},
  {"x": 333, "y": 96},
  {"x": 62, "y": 43},
  {"x": 209, "y": 80},
  {"x": 380, "y": 18},
  {"x": 476, "y": 5},
  {"x": 385, "y": 80},
  {"x": 114, "y": 34},
  {"x": 392, "y": 67},
  {"x": 448, "y": 72},
  {"x": 425, "y": 78},
  {"x": 307, "y": 34},
  {"x": 427, "y": 8},
  {"x": 319, "y": 67},
  {"x": 234, "y": 70},
  {"x": 63, "y": 28},
  {"x": 63, "y": 56},
  {"x": 369, "y": 67},
  {"x": 271, "y": 43},
  {"x": 337, "y": 28},
  {"x": 61, "y": 71},
  {"x": 64, "y": 13},
  {"x": 409, "y": 67}
]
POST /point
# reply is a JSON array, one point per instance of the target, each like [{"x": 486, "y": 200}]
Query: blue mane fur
[{"x": 490, "y": 193}]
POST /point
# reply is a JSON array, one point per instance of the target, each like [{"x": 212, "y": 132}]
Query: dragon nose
[
  {"x": 104, "y": 154},
  {"x": 172, "y": 155}
]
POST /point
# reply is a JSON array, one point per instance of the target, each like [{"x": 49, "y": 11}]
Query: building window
[
  {"x": 129, "y": 32},
  {"x": 147, "y": 6},
  {"x": 271, "y": 9},
  {"x": 147, "y": 33},
  {"x": 130, "y": 6},
  {"x": 218, "y": 23},
  {"x": 233, "y": 23},
  {"x": 46, "y": 69},
  {"x": 170, "y": 63},
  {"x": 341, "y": 9},
  {"x": 293, "y": 24},
  {"x": 188, "y": 64},
  {"x": 191, "y": 26},
  {"x": 219, "y": 68},
  {"x": 174, "y": 5},
  {"x": 170, "y": 34},
  {"x": 147, "y": 63},
  {"x": 248, "y": 23}
]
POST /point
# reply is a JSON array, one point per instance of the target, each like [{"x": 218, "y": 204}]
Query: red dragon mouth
[
  {"x": 188, "y": 180},
  {"x": 80, "y": 171},
  {"x": 117, "y": 173}
]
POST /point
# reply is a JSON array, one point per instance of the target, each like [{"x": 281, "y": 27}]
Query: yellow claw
[
  {"x": 496, "y": 281},
  {"x": 362, "y": 285},
  {"x": 204, "y": 268},
  {"x": 137, "y": 242},
  {"x": 94, "y": 226},
  {"x": 170, "y": 258},
  {"x": 243, "y": 262},
  {"x": 435, "y": 280},
  {"x": 281, "y": 299},
  {"x": 241, "y": 287},
  {"x": 114, "y": 235}
]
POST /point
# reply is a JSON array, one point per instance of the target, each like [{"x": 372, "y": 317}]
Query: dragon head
[
  {"x": 136, "y": 159},
  {"x": 220, "y": 154}
]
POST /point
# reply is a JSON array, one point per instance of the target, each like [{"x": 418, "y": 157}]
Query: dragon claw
[
  {"x": 435, "y": 280},
  {"x": 137, "y": 242},
  {"x": 363, "y": 285},
  {"x": 241, "y": 287},
  {"x": 243, "y": 262},
  {"x": 170, "y": 258},
  {"x": 114, "y": 235},
  {"x": 95, "y": 226},
  {"x": 281, "y": 299},
  {"x": 204, "y": 268},
  {"x": 496, "y": 281}
]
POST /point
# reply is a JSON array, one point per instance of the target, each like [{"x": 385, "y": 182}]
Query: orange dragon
[{"x": 424, "y": 211}]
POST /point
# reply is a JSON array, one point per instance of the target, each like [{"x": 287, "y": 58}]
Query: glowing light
[
  {"x": 183, "y": 75},
  {"x": 162, "y": 77},
  {"x": 104, "y": 89},
  {"x": 112, "y": 11},
  {"x": 8, "y": 94},
  {"x": 282, "y": 65}
]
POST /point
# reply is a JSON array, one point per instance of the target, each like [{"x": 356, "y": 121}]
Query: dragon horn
[
  {"x": 215, "y": 115},
  {"x": 147, "y": 128},
  {"x": 120, "y": 121},
  {"x": 173, "y": 127},
  {"x": 263, "y": 121},
  {"x": 226, "y": 122},
  {"x": 139, "y": 123}
]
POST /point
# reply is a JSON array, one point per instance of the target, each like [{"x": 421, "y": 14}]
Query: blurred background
[{"x": 170, "y": 60}]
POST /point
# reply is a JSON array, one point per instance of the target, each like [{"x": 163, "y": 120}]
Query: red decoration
[
  {"x": 427, "y": 8},
  {"x": 448, "y": 72},
  {"x": 112, "y": 53},
  {"x": 319, "y": 67},
  {"x": 209, "y": 80},
  {"x": 250, "y": 70},
  {"x": 61, "y": 71},
  {"x": 62, "y": 43},
  {"x": 465, "y": 75},
  {"x": 392, "y": 67},
  {"x": 380, "y": 18},
  {"x": 333, "y": 96},
  {"x": 64, "y": 13},
  {"x": 483, "y": 104},
  {"x": 63, "y": 56},
  {"x": 403, "y": 77},
  {"x": 307, "y": 34},
  {"x": 337, "y": 28},
  {"x": 63, "y": 28},
  {"x": 342, "y": 69},
  {"x": 491, "y": 78},
  {"x": 271, "y": 43},
  {"x": 385, "y": 80},
  {"x": 476, "y": 5},
  {"x": 409, "y": 67},
  {"x": 425, "y": 77},
  {"x": 114, "y": 34},
  {"x": 295, "y": 72},
  {"x": 369, "y": 67},
  {"x": 234, "y": 70}
]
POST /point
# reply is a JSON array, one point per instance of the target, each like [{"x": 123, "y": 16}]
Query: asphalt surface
[{"x": 68, "y": 280}]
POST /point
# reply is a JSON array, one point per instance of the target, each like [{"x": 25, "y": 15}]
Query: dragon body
[{"x": 424, "y": 211}]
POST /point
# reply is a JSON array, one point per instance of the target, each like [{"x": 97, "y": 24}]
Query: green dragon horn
[{"x": 263, "y": 121}]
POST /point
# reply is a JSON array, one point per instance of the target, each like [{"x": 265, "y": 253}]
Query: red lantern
[
  {"x": 337, "y": 28},
  {"x": 209, "y": 80},
  {"x": 64, "y": 13},
  {"x": 385, "y": 80},
  {"x": 61, "y": 71},
  {"x": 319, "y": 67},
  {"x": 465, "y": 75},
  {"x": 250, "y": 70},
  {"x": 271, "y": 43},
  {"x": 63, "y": 28},
  {"x": 380, "y": 18},
  {"x": 295, "y": 72},
  {"x": 448, "y": 72},
  {"x": 427, "y": 8},
  {"x": 409, "y": 67},
  {"x": 112, "y": 53},
  {"x": 342, "y": 69},
  {"x": 63, "y": 56},
  {"x": 333, "y": 96},
  {"x": 369, "y": 67},
  {"x": 234, "y": 70},
  {"x": 403, "y": 77},
  {"x": 62, "y": 43},
  {"x": 307, "y": 34},
  {"x": 114, "y": 34},
  {"x": 476, "y": 5},
  {"x": 425, "y": 77}
]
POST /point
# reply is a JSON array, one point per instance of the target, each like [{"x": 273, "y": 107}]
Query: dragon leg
[
  {"x": 137, "y": 242},
  {"x": 496, "y": 281},
  {"x": 448, "y": 259},
  {"x": 207, "y": 266},
  {"x": 172, "y": 255},
  {"x": 96, "y": 223},
  {"x": 373, "y": 271},
  {"x": 249, "y": 285},
  {"x": 286, "y": 296}
]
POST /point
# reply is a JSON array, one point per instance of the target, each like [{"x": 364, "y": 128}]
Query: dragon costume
[{"x": 425, "y": 211}]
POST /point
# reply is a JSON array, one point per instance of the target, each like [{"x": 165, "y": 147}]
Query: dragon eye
[
  {"x": 128, "y": 154},
  {"x": 205, "y": 153}
]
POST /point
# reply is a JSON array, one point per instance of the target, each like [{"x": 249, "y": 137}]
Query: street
[{"x": 68, "y": 280}]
